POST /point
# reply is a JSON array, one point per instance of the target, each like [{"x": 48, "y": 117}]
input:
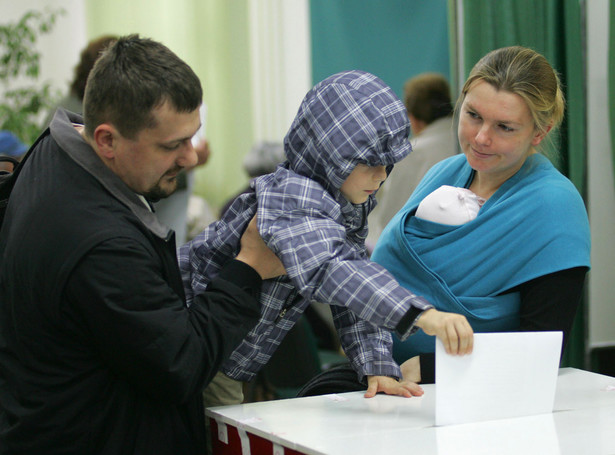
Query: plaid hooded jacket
[{"x": 347, "y": 119}]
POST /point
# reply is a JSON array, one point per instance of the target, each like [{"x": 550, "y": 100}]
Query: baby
[{"x": 450, "y": 205}]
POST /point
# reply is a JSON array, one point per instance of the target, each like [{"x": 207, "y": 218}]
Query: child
[{"x": 312, "y": 212}]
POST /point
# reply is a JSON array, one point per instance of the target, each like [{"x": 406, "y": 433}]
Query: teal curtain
[
  {"x": 393, "y": 39},
  {"x": 553, "y": 28}
]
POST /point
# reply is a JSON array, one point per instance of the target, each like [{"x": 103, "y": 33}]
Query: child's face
[{"x": 363, "y": 181}]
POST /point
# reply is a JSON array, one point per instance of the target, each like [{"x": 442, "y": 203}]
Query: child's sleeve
[
  {"x": 324, "y": 267},
  {"x": 192, "y": 260},
  {"x": 201, "y": 259},
  {"x": 367, "y": 346}
]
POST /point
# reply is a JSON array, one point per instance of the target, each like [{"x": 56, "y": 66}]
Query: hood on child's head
[{"x": 349, "y": 118}]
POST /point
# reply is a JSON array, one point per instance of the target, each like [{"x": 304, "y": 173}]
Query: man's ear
[{"x": 106, "y": 138}]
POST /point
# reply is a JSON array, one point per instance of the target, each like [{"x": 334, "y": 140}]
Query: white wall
[
  {"x": 59, "y": 49},
  {"x": 280, "y": 64},
  {"x": 601, "y": 187}
]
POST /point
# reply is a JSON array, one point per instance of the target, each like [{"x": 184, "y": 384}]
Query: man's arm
[{"x": 142, "y": 329}]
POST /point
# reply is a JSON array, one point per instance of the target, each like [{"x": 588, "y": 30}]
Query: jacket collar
[{"x": 68, "y": 138}]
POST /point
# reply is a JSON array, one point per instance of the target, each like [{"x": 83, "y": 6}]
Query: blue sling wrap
[{"x": 534, "y": 224}]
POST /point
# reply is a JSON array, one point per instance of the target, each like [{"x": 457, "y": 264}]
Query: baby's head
[
  {"x": 450, "y": 205},
  {"x": 349, "y": 118}
]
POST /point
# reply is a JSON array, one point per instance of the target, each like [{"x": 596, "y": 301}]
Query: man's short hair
[
  {"x": 427, "y": 97},
  {"x": 133, "y": 77}
]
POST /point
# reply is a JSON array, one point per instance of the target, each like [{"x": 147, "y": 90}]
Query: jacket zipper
[{"x": 287, "y": 306}]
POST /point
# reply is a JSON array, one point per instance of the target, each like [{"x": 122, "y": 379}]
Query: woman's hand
[
  {"x": 411, "y": 370},
  {"x": 391, "y": 386},
  {"x": 453, "y": 330}
]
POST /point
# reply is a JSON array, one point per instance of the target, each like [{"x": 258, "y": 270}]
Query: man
[{"x": 98, "y": 352}]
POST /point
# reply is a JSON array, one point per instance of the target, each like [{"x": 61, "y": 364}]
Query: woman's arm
[{"x": 548, "y": 302}]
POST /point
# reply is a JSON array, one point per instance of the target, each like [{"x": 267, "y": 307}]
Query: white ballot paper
[{"x": 507, "y": 375}]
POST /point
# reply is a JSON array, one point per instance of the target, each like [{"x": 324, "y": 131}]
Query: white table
[{"x": 583, "y": 422}]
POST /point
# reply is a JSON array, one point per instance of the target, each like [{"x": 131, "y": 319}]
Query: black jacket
[{"x": 98, "y": 352}]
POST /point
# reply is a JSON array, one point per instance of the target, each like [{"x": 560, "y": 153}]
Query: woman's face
[{"x": 496, "y": 131}]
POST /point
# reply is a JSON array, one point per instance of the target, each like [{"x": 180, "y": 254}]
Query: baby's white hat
[{"x": 449, "y": 205}]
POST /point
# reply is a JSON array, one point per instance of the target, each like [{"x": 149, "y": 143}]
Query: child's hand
[
  {"x": 391, "y": 386},
  {"x": 453, "y": 330}
]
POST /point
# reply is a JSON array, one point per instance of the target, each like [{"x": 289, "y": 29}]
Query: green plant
[{"x": 23, "y": 96}]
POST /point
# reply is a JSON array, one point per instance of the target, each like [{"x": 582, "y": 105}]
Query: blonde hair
[{"x": 526, "y": 73}]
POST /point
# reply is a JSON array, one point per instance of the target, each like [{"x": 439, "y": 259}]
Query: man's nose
[{"x": 188, "y": 157}]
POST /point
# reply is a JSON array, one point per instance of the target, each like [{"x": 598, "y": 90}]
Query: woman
[{"x": 516, "y": 256}]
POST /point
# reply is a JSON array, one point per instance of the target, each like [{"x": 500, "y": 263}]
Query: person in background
[
  {"x": 10, "y": 146},
  {"x": 73, "y": 101},
  {"x": 312, "y": 211},
  {"x": 496, "y": 234},
  {"x": 99, "y": 353},
  {"x": 428, "y": 101},
  {"x": 262, "y": 159}
]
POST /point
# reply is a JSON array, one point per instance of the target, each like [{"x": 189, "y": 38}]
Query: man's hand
[
  {"x": 255, "y": 253},
  {"x": 453, "y": 330},
  {"x": 391, "y": 386}
]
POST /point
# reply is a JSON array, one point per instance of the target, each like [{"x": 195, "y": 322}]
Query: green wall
[
  {"x": 212, "y": 37},
  {"x": 394, "y": 39}
]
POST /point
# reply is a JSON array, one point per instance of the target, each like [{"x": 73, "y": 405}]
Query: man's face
[{"x": 149, "y": 163}]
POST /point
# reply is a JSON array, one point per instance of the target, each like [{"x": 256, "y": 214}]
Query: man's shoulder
[{"x": 60, "y": 195}]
